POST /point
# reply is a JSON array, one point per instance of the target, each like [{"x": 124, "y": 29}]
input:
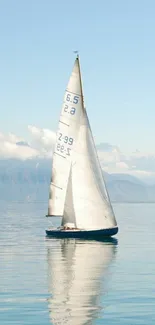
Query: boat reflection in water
[{"x": 77, "y": 278}]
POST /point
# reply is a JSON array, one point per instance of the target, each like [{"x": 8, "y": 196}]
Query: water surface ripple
[{"x": 76, "y": 282}]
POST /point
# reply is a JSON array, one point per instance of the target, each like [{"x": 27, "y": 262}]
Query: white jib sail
[
  {"x": 89, "y": 205},
  {"x": 65, "y": 142}
]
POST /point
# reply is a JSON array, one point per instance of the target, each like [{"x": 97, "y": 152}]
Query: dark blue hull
[{"x": 102, "y": 233}]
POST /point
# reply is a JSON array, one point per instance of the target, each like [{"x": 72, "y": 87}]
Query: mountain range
[{"x": 29, "y": 180}]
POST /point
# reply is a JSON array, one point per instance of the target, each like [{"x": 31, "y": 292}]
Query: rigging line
[
  {"x": 73, "y": 93},
  {"x": 70, "y": 119},
  {"x": 83, "y": 106},
  {"x": 55, "y": 153},
  {"x": 57, "y": 186},
  {"x": 64, "y": 123}
]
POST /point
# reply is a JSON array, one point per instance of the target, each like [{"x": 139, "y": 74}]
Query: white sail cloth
[
  {"x": 65, "y": 141},
  {"x": 77, "y": 190}
]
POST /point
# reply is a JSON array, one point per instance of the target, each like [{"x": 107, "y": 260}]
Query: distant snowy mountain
[
  {"x": 29, "y": 180},
  {"x": 22, "y": 143},
  {"x": 104, "y": 146}
]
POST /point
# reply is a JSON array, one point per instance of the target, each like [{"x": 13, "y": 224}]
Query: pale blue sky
[{"x": 116, "y": 40}]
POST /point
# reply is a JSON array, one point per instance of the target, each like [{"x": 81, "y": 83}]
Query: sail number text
[
  {"x": 65, "y": 139},
  {"x": 71, "y": 110},
  {"x": 70, "y": 99},
  {"x": 62, "y": 147}
]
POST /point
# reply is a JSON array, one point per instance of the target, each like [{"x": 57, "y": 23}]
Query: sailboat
[{"x": 78, "y": 192}]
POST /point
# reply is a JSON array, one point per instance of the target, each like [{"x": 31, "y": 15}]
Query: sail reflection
[{"x": 77, "y": 273}]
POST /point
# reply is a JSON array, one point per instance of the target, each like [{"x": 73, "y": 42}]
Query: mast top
[{"x": 77, "y": 53}]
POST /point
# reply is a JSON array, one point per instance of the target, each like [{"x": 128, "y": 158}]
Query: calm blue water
[{"x": 73, "y": 281}]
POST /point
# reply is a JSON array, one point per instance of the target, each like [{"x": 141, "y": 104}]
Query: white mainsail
[
  {"x": 65, "y": 142},
  {"x": 77, "y": 276}
]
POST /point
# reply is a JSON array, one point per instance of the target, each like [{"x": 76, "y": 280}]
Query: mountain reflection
[{"x": 77, "y": 274}]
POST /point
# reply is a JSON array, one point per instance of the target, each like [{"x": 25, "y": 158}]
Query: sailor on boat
[{"x": 69, "y": 226}]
